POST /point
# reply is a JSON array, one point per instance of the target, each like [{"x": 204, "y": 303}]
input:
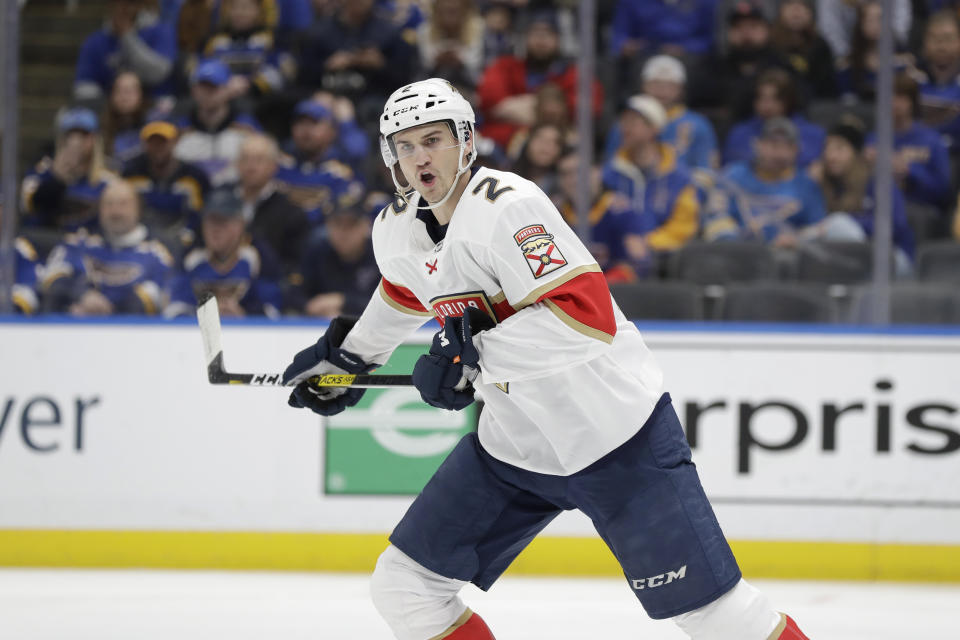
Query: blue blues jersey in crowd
[
  {"x": 610, "y": 223},
  {"x": 689, "y": 24},
  {"x": 126, "y": 145},
  {"x": 49, "y": 202},
  {"x": 130, "y": 271},
  {"x": 100, "y": 56},
  {"x": 25, "y": 280},
  {"x": 317, "y": 188},
  {"x": 902, "y": 234},
  {"x": 175, "y": 200},
  {"x": 665, "y": 198},
  {"x": 928, "y": 179},
  {"x": 243, "y": 281},
  {"x": 740, "y": 140},
  {"x": 254, "y": 56},
  {"x": 764, "y": 208},
  {"x": 688, "y": 132},
  {"x": 940, "y": 107}
]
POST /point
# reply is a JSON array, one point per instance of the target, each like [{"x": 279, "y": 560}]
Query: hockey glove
[
  {"x": 439, "y": 374},
  {"x": 325, "y": 356}
]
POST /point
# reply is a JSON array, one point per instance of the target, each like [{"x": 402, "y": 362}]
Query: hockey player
[{"x": 575, "y": 415}]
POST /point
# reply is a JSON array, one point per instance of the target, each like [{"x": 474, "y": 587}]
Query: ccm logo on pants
[{"x": 660, "y": 580}]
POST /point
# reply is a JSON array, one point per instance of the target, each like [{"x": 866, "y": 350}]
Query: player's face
[{"x": 428, "y": 157}]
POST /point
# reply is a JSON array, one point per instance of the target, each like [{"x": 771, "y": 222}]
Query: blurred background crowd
[{"x": 232, "y": 146}]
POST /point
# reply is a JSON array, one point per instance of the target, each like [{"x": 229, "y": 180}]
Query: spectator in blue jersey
[
  {"x": 615, "y": 229},
  {"x": 247, "y": 47},
  {"x": 339, "y": 270},
  {"x": 857, "y": 69},
  {"x": 849, "y": 192},
  {"x": 770, "y": 198},
  {"x": 227, "y": 265},
  {"x": 62, "y": 192},
  {"x": 775, "y": 96},
  {"x": 121, "y": 269},
  {"x": 940, "y": 86},
  {"x": 324, "y": 127},
  {"x": 131, "y": 39},
  {"x": 688, "y": 132},
  {"x": 172, "y": 190},
  {"x": 681, "y": 29},
  {"x": 124, "y": 115},
  {"x": 921, "y": 163},
  {"x": 314, "y": 174},
  {"x": 271, "y": 218},
  {"x": 211, "y": 134},
  {"x": 360, "y": 53},
  {"x": 649, "y": 180}
]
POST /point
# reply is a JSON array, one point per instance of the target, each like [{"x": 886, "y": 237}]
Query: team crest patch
[{"x": 542, "y": 254}]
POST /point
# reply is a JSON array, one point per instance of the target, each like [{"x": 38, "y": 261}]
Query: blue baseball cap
[
  {"x": 313, "y": 110},
  {"x": 212, "y": 72},
  {"x": 78, "y": 119},
  {"x": 223, "y": 202}
]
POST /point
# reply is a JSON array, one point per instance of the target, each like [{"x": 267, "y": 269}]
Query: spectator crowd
[{"x": 230, "y": 146}]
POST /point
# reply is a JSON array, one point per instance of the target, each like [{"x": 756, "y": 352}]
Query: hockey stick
[{"x": 208, "y": 316}]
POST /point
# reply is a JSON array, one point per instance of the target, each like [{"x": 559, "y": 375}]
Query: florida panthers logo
[{"x": 541, "y": 252}]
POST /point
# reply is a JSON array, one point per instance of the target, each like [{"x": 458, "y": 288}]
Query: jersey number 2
[{"x": 492, "y": 192}]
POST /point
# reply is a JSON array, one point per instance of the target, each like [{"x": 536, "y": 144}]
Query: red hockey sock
[
  {"x": 473, "y": 629},
  {"x": 786, "y": 630}
]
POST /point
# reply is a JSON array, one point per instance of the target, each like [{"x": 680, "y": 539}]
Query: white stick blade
[{"x": 208, "y": 316}]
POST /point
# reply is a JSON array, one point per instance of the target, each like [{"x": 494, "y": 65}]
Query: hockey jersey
[{"x": 565, "y": 377}]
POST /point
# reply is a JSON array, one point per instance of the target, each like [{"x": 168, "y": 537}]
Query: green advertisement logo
[{"x": 391, "y": 442}]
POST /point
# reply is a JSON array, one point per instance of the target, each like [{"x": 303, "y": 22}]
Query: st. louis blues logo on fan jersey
[{"x": 542, "y": 254}]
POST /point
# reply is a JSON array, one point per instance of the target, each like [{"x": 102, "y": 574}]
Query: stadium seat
[
  {"x": 776, "y": 302},
  {"x": 722, "y": 262},
  {"x": 912, "y": 303},
  {"x": 926, "y": 221},
  {"x": 939, "y": 262},
  {"x": 658, "y": 300},
  {"x": 835, "y": 262}
]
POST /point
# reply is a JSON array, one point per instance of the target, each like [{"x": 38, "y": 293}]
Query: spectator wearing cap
[
  {"x": 327, "y": 129},
  {"x": 921, "y": 162},
  {"x": 312, "y": 175},
  {"x": 649, "y": 180},
  {"x": 615, "y": 228},
  {"x": 940, "y": 82},
  {"x": 62, "y": 192},
  {"x": 339, "y": 270},
  {"x": 172, "y": 190},
  {"x": 119, "y": 269},
  {"x": 227, "y": 265},
  {"x": 836, "y": 20},
  {"x": 450, "y": 42},
  {"x": 131, "y": 39},
  {"x": 211, "y": 134},
  {"x": 359, "y": 52},
  {"x": 849, "y": 192},
  {"x": 246, "y": 45},
  {"x": 680, "y": 29},
  {"x": 271, "y": 218},
  {"x": 725, "y": 82},
  {"x": 795, "y": 35},
  {"x": 507, "y": 90},
  {"x": 775, "y": 96},
  {"x": 770, "y": 199},
  {"x": 688, "y": 132}
]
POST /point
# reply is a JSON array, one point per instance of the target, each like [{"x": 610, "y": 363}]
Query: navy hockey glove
[
  {"x": 439, "y": 375},
  {"x": 325, "y": 356}
]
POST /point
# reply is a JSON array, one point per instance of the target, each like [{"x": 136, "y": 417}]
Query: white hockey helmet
[{"x": 423, "y": 102}]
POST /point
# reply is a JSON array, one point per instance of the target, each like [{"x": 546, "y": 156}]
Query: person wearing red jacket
[{"x": 507, "y": 88}]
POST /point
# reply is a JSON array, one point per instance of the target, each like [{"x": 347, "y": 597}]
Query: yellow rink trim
[{"x": 358, "y": 552}]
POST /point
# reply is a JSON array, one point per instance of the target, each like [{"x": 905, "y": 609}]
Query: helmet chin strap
[{"x": 453, "y": 185}]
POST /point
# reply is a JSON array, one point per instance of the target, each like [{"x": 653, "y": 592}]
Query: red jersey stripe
[{"x": 586, "y": 301}]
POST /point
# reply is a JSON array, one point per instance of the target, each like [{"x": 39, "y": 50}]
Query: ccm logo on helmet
[{"x": 404, "y": 110}]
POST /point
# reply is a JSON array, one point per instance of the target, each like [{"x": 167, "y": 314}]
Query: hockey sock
[
  {"x": 470, "y": 626},
  {"x": 787, "y": 630}
]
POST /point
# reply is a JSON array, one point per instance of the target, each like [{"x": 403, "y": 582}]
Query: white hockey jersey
[{"x": 565, "y": 377}]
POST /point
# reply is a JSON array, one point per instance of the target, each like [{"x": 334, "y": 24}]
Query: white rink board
[{"x": 153, "y": 446}]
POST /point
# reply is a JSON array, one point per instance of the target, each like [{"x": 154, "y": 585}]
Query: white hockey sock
[{"x": 743, "y": 613}]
